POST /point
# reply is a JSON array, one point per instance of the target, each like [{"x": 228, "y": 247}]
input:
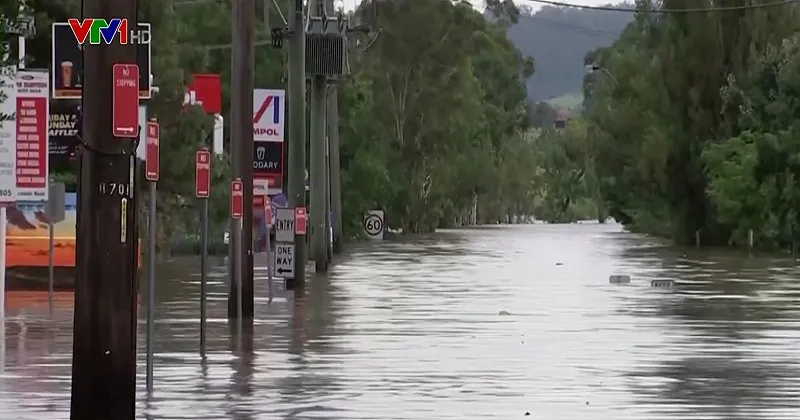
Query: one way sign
[{"x": 284, "y": 261}]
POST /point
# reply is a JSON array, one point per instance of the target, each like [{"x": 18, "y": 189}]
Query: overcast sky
[{"x": 350, "y": 4}]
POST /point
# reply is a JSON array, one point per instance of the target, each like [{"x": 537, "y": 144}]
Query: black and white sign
[
  {"x": 374, "y": 224},
  {"x": 284, "y": 225},
  {"x": 267, "y": 158},
  {"x": 64, "y": 129},
  {"x": 284, "y": 260}
]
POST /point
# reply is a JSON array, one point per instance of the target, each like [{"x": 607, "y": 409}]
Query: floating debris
[
  {"x": 504, "y": 313},
  {"x": 619, "y": 279},
  {"x": 662, "y": 284}
]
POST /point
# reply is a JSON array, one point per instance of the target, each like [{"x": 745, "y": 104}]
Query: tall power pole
[
  {"x": 104, "y": 344},
  {"x": 297, "y": 133},
  {"x": 319, "y": 190},
  {"x": 242, "y": 72},
  {"x": 334, "y": 163}
]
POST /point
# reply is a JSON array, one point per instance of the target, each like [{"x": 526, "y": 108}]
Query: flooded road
[{"x": 487, "y": 323}]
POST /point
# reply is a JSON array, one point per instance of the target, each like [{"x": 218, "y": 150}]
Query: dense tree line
[
  {"x": 697, "y": 130},
  {"x": 434, "y": 123}
]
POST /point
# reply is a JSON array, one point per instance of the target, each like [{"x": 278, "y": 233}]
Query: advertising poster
[
  {"x": 32, "y": 119},
  {"x": 64, "y": 128}
]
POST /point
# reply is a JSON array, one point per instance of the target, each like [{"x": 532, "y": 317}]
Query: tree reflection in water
[{"x": 734, "y": 319}]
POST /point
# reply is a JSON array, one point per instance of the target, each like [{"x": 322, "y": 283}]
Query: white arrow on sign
[{"x": 284, "y": 260}]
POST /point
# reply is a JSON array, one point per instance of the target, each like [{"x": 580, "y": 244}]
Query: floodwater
[{"x": 486, "y": 323}]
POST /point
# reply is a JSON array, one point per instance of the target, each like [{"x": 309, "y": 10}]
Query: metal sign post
[
  {"x": 54, "y": 213},
  {"x": 202, "y": 190},
  {"x": 151, "y": 174},
  {"x": 268, "y": 223},
  {"x": 237, "y": 213}
]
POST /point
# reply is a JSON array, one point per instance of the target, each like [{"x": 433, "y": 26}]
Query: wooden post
[
  {"x": 106, "y": 300},
  {"x": 242, "y": 61}
]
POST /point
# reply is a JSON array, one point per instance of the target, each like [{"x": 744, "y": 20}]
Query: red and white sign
[
  {"x": 300, "y": 221},
  {"x": 33, "y": 116},
  {"x": 125, "y": 101},
  {"x": 202, "y": 173},
  {"x": 151, "y": 152},
  {"x": 237, "y": 199},
  {"x": 269, "y": 108},
  {"x": 205, "y": 91}
]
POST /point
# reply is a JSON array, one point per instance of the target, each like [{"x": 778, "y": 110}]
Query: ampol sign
[{"x": 269, "y": 109}]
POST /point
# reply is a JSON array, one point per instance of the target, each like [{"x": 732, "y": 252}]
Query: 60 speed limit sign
[{"x": 374, "y": 224}]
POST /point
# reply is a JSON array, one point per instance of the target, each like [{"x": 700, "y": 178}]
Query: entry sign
[
  {"x": 300, "y": 221},
  {"x": 237, "y": 199},
  {"x": 284, "y": 260},
  {"x": 202, "y": 173},
  {"x": 284, "y": 225},
  {"x": 125, "y": 101},
  {"x": 151, "y": 152}
]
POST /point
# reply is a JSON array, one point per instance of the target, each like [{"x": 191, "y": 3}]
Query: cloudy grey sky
[{"x": 350, "y": 4}]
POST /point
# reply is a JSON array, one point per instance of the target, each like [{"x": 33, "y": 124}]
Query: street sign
[
  {"x": 237, "y": 199},
  {"x": 269, "y": 108},
  {"x": 202, "y": 173},
  {"x": 374, "y": 224},
  {"x": 284, "y": 260},
  {"x": 55, "y": 208},
  {"x": 267, "y": 167},
  {"x": 205, "y": 91},
  {"x": 125, "y": 102},
  {"x": 284, "y": 225},
  {"x": 300, "y": 221},
  {"x": 33, "y": 116},
  {"x": 151, "y": 156},
  {"x": 267, "y": 210}
]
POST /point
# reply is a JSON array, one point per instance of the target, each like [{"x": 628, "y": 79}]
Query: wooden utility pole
[
  {"x": 318, "y": 168},
  {"x": 104, "y": 349},
  {"x": 334, "y": 163},
  {"x": 242, "y": 72},
  {"x": 297, "y": 135}
]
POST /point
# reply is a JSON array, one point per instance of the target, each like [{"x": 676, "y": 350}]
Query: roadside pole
[
  {"x": 297, "y": 143},
  {"x": 237, "y": 212},
  {"x": 54, "y": 213},
  {"x": 151, "y": 174},
  {"x": 318, "y": 234},
  {"x": 202, "y": 190},
  {"x": 107, "y": 240},
  {"x": 268, "y": 223},
  {"x": 11, "y": 92}
]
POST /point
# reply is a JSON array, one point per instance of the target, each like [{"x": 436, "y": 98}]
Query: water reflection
[
  {"x": 733, "y": 329},
  {"x": 483, "y": 323}
]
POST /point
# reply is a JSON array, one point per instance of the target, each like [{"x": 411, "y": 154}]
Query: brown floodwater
[{"x": 484, "y": 323}]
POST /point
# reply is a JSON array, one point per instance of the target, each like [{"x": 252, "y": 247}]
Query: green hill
[
  {"x": 569, "y": 101},
  {"x": 558, "y": 38}
]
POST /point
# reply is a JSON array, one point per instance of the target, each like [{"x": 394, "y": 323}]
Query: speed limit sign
[{"x": 374, "y": 224}]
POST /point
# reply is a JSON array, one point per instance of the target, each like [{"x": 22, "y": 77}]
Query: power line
[{"x": 694, "y": 10}]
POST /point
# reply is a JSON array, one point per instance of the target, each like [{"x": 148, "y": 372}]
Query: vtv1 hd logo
[{"x": 102, "y": 31}]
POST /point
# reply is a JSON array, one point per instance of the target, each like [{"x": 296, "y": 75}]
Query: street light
[{"x": 592, "y": 68}]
